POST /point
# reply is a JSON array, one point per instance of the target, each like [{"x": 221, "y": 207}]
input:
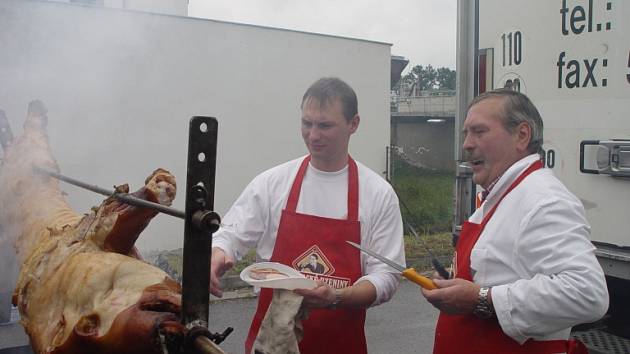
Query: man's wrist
[
  {"x": 337, "y": 299},
  {"x": 484, "y": 308}
]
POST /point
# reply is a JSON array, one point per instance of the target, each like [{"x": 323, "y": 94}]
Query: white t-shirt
[
  {"x": 536, "y": 255},
  {"x": 252, "y": 222}
]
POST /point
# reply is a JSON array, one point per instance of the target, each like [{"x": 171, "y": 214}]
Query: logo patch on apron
[
  {"x": 313, "y": 261},
  {"x": 314, "y": 264}
]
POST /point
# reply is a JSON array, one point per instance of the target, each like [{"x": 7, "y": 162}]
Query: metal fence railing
[{"x": 433, "y": 105}]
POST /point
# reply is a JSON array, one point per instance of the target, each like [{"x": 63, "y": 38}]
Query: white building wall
[
  {"x": 120, "y": 87},
  {"x": 170, "y": 7}
]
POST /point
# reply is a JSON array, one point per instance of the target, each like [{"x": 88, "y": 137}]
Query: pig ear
[{"x": 88, "y": 325}]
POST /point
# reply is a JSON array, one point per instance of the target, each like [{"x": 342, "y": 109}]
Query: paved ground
[
  {"x": 404, "y": 325},
  {"x": 401, "y": 326},
  {"x": 12, "y": 336}
]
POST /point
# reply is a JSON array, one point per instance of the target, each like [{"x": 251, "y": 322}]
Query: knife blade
[{"x": 409, "y": 273}]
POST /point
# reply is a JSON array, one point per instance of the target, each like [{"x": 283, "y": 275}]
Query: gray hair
[
  {"x": 517, "y": 109},
  {"x": 327, "y": 89}
]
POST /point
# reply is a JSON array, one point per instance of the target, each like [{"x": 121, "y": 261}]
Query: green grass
[
  {"x": 428, "y": 196},
  {"x": 248, "y": 259},
  {"x": 417, "y": 255},
  {"x": 440, "y": 244},
  {"x": 174, "y": 259}
]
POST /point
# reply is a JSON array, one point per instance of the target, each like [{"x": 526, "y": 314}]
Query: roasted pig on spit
[{"x": 82, "y": 287}]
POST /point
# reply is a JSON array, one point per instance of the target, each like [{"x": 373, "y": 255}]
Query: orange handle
[{"x": 421, "y": 280}]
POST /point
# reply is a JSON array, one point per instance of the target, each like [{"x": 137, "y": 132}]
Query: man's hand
[
  {"x": 321, "y": 296},
  {"x": 219, "y": 265},
  {"x": 454, "y": 296}
]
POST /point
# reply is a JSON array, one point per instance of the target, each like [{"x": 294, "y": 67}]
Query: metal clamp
[
  {"x": 199, "y": 339},
  {"x": 605, "y": 157},
  {"x": 206, "y": 220}
]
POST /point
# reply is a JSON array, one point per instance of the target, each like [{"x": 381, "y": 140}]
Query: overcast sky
[{"x": 423, "y": 31}]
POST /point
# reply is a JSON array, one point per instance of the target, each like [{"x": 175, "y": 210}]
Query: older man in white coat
[{"x": 525, "y": 271}]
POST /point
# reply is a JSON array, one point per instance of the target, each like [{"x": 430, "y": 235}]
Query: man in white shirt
[
  {"x": 525, "y": 271},
  {"x": 308, "y": 208}
]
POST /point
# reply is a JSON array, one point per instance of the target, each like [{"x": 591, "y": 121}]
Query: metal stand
[{"x": 201, "y": 222}]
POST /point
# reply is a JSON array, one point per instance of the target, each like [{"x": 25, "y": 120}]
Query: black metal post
[{"x": 202, "y": 156}]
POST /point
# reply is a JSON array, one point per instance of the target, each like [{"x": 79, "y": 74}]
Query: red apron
[
  {"x": 469, "y": 334},
  {"x": 325, "y": 330}
]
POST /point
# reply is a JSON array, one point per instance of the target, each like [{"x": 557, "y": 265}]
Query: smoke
[
  {"x": 25, "y": 201},
  {"x": 96, "y": 70},
  {"x": 8, "y": 276},
  {"x": 7, "y": 263},
  {"x": 121, "y": 86}
]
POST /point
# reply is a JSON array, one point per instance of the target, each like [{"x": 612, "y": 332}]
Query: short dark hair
[
  {"x": 327, "y": 89},
  {"x": 517, "y": 109}
]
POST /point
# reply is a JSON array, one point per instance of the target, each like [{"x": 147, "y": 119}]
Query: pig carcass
[{"x": 82, "y": 287}]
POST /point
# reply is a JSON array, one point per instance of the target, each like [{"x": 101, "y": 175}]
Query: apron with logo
[
  {"x": 326, "y": 330},
  {"x": 469, "y": 334}
]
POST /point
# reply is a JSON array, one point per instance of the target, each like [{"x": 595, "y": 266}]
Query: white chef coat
[
  {"x": 536, "y": 255},
  {"x": 254, "y": 218}
]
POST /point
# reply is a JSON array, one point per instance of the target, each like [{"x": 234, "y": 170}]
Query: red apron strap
[
  {"x": 294, "y": 195},
  {"x": 533, "y": 167},
  {"x": 471, "y": 232},
  {"x": 353, "y": 188}
]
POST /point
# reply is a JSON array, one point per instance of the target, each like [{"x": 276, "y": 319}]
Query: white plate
[{"x": 296, "y": 280}]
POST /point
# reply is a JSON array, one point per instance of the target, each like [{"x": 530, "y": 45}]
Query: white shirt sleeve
[
  {"x": 385, "y": 237},
  {"x": 561, "y": 281},
  {"x": 244, "y": 224}
]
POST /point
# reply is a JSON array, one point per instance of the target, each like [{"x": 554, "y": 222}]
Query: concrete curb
[
  {"x": 243, "y": 293},
  {"x": 234, "y": 288},
  {"x": 232, "y": 282}
]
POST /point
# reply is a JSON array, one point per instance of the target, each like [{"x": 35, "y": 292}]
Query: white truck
[{"x": 572, "y": 58}]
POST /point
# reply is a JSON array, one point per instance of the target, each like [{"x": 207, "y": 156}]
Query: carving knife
[{"x": 409, "y": 273}]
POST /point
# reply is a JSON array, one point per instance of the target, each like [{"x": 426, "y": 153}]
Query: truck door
[{"x": 572, "y": 58}]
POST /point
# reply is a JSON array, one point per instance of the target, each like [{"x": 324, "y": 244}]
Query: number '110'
[{"x": 512, "y": 48}]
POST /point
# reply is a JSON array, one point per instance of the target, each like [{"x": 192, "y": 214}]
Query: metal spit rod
[
  {"x": 205, "y": 345},
  {"x": 123, "y": 197}
]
